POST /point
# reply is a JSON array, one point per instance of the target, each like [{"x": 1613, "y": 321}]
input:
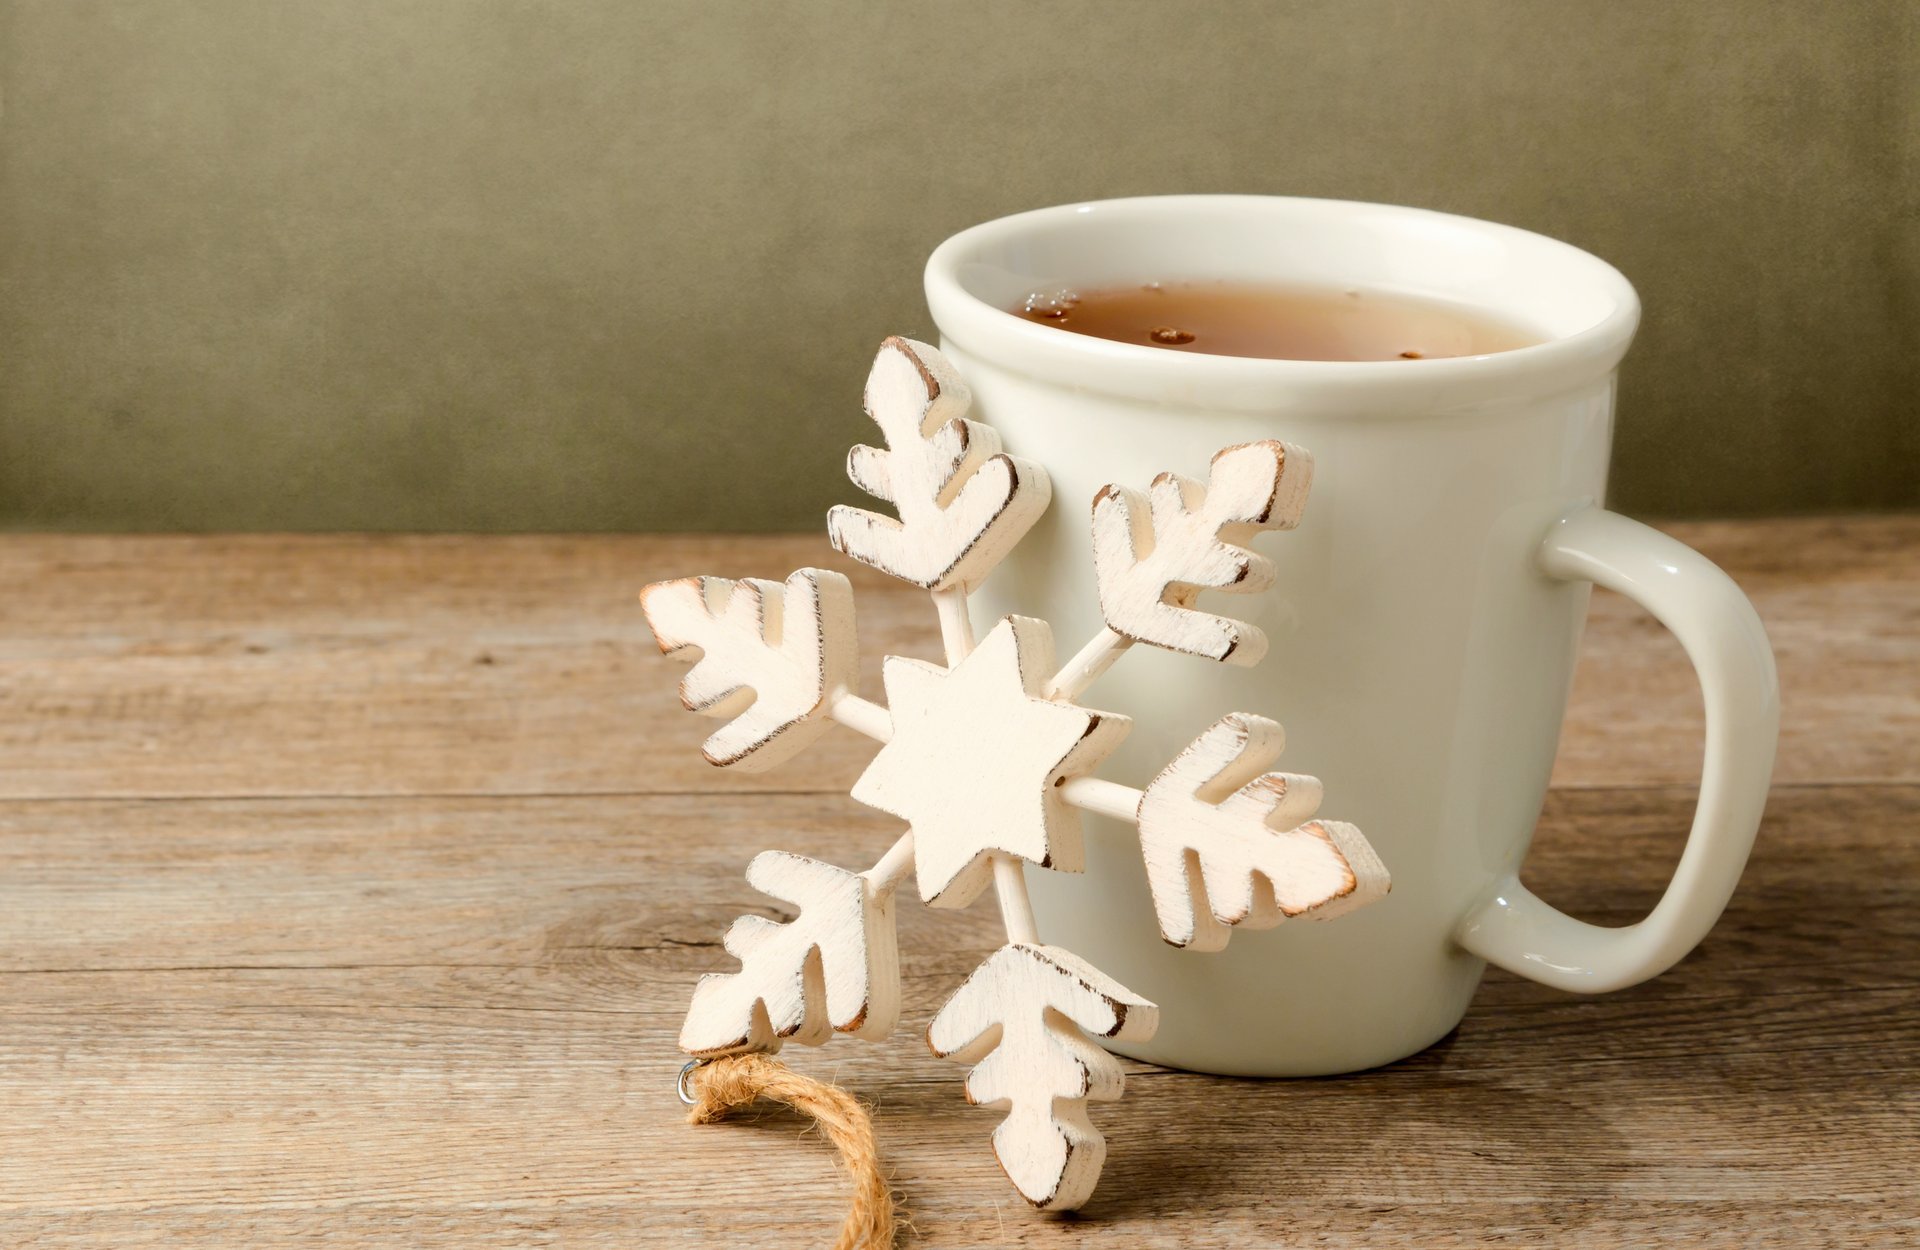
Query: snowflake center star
[{"x": 974, "y": 757}]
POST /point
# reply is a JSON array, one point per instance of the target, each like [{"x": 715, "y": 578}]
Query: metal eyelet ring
[{"x": 681, "y": 1084}]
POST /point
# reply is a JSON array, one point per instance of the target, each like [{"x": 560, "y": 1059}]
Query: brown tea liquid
[{"x": 1275, "y": 322}]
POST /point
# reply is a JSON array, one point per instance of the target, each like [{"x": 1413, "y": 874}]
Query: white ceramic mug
[{"x": 1423, "y": 624}]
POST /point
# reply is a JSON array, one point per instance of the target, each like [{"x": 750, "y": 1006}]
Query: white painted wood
[
  {"x": 1102, "y": 797},
  {"x": 1228, "y": 844},
  {"x": 1016, "y": 905},
  {"x": 863, "y": 716},
  {"x": 892, "y": 867},
  {"x": 1025, "y": 1020},
  {"x": 1096, "y": 657},
  {"x": 975, "y": 757},
  {"x": 1009, "y": 878},
  {"x": 769, "y": 657},
  {"x": 833, "y": 968},
  {"x": 963, "y": 503},
  {"x": 1154, "y": 553},
  {"x": 956, "y": 626}
]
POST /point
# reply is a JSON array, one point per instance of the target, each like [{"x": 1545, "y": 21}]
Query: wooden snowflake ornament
[{"x": 986, "y": 758}]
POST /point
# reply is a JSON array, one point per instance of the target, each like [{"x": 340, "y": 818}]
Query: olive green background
[{"x": 451, "y": 264}]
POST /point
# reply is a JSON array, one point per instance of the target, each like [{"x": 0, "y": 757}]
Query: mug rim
[{"x": 1136, "y": 371}]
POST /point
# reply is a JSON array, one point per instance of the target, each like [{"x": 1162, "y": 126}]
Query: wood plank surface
[
  {"x": 178, "y": 665},
  {"x": 184, "y": 665},
  {"x": 379, "y": 944}
]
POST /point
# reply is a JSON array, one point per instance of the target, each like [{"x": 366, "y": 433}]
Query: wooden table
[{"x": 353, "y": 888}]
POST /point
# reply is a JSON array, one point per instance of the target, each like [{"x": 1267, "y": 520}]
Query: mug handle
[{"x": 1724, "y": 639}]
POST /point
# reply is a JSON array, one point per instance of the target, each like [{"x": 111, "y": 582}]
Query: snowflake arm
[
  {"x": 833, "y": 968},
  {"x": 1228, "y": 844},
  {"x": 1154, "y": 553},
  {"x": 963, "y": 503},
  {"x": 770, "y": 658},
  {"x": 1025, "y": 1020}
]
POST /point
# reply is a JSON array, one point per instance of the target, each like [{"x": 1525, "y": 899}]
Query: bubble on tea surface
[
  {"x": 1170, "y": 336},
  {"x": 1053, "y": 305}
]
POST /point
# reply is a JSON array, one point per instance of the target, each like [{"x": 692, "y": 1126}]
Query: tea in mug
[{"x": 1276, "y": 322}]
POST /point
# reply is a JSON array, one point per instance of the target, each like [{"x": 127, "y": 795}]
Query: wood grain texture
[
  {"x": 377, "y": 945},
  {"x": 267, "y": 665},
  {"x": 453, "y": 1020},
  {"x": 455, "y": 664}
]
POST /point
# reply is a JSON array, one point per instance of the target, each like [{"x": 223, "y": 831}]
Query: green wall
[{"x": 485, "y": 265}]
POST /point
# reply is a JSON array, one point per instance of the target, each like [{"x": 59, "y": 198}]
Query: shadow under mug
[{"x": 1424, "y": 621}]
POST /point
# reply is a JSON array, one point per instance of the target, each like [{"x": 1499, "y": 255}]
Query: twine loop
[{"x": 714, "y": 1089}]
